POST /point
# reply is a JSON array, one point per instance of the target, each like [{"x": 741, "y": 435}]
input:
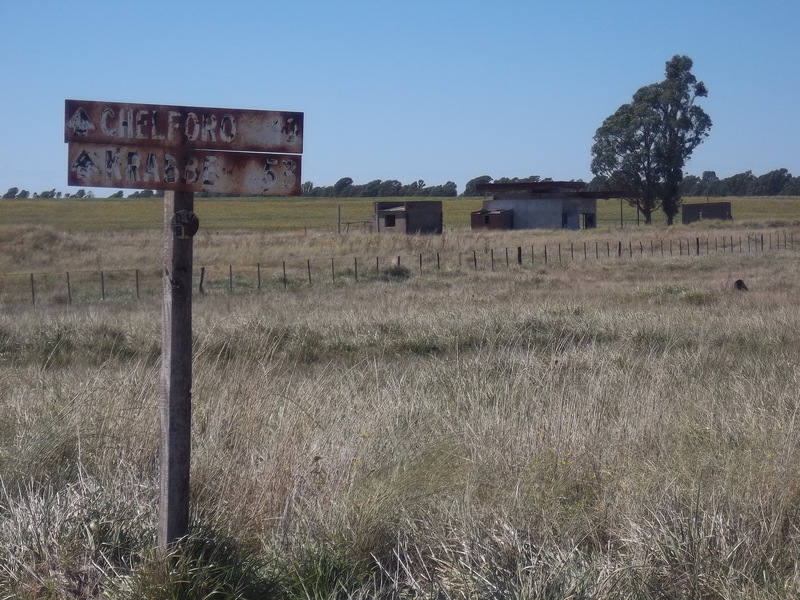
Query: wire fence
[{"x": 67, "y": 288}]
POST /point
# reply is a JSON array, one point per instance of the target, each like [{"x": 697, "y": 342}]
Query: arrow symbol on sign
[
  {"x": 84, "y": 165},
  {"x": 80, "y": 122}
]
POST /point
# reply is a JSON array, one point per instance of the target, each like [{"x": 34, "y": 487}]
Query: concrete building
[
  {"x": 538, "y": 205},
  {"x": 421, "y": 216}
]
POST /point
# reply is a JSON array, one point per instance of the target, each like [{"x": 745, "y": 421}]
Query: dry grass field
[{"x": 608, "y": 428}]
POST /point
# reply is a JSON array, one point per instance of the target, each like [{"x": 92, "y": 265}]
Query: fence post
[
  {"x": 69, "y": 291},
  {"x": 102, "y": 285},
  {"x": 137, "y": 283},
  {"x": 491, "y": 252},
  {"x": 619, "y": 249},
  {"x": 545, "y": 254},
  {"x": 506, "y": 255},
  {"x": 697, "y": 243},
  {"x": 475, "y": 259},
  {"x": 333, "y": 272},
  {"x": 420, "y": 262},
  {"x": 202, "y": 279},
  {"x": 519, "y": 255},
  {"x": 308, "y": 266}
]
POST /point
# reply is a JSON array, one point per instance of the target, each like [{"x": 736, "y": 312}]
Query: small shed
[
  {"x": 708, "y": 210},
  {"x": 421, "y": 216}
]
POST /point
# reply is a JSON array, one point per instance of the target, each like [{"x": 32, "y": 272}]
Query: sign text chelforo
[{"x": 181, "y": 126}]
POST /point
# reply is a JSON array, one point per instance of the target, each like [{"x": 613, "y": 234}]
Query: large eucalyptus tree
[{"x": 642, "y": 148}]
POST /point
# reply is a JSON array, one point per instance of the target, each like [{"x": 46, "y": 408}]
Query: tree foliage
[
  {"x": 346, "y": 188},
  {"x": 778, "y": 182},
  {"x": 642, "y": 148}
]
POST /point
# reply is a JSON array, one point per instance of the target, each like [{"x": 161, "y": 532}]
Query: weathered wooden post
[{"x": 175, "y": 402}]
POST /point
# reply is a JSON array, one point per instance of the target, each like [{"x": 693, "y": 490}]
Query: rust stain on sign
[
  {"x": 181, "y": 169},
  {"x": 157, "y": 126}
]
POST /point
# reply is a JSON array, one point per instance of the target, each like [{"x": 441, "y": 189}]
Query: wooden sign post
[
  {"x": 175, "y": 403},
  {"x": 181, "y": 150}
]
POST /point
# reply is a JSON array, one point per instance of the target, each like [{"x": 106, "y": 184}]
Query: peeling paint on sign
[
  {"x": 142, "y": 167},
  {"x": 190, "y": 149}
]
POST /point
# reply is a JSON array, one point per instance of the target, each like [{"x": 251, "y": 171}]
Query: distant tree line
[
  {"x": 775, "y": 183},
  {"x": 23, "y": 194},
  {"x": 18, "y": 194},
  {"x": 390, "y": 188}
]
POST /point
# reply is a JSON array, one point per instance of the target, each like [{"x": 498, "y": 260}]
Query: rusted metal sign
[
  {"x": 156, "y": 168},
  {"x": 188, "y": 149},
  {"x": 183, "y": 127}
]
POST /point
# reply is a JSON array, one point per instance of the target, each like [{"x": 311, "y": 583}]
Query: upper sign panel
[{"x": 184, "y": 127}]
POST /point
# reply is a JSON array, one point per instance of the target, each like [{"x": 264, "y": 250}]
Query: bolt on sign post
[{"x": 181, "y": 150}]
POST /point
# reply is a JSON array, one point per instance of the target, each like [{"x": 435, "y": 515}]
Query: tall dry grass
[{"x": 618, "y": 429}]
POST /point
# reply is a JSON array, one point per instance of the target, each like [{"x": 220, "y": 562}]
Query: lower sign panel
[{"x": 137, "y": 167}]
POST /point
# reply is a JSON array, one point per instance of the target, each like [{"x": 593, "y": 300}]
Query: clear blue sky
[{"x": 439, "y": 90}]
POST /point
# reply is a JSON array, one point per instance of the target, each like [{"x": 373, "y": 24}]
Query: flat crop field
[
  {"x": 613, "y": 422},
  {"x": 300, "y": 214}
]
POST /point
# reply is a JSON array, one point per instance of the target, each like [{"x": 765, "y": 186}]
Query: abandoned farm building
[
  {"x": 707, "y": 210},
  {"x": 538, "y": 205},
  {"x": 422, "y": 216}
]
